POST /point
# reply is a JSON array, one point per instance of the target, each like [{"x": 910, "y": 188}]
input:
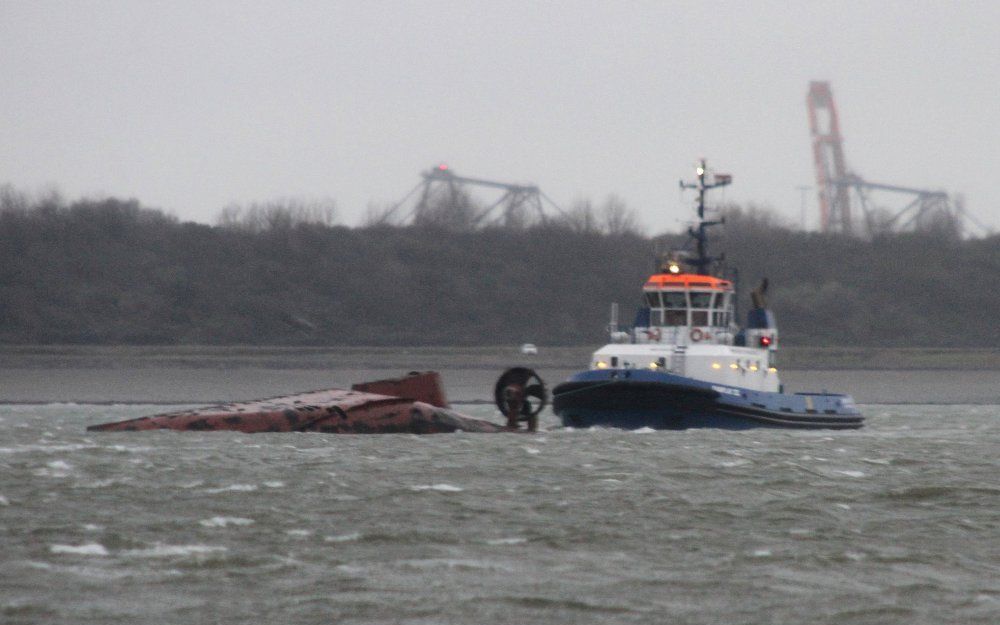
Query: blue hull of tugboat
[{"x": 638, "y": 398}]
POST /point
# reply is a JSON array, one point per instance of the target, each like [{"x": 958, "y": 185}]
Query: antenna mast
[{"x": 703, "y": 261}]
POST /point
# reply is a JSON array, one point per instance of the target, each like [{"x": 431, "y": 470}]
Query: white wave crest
[
  {"x": 88, "y": 549},
  {"x": 849, "y": 473},
  {"x": 56, "y": 468},
  {"x": 342, "y": 538},
  {"x": 514, "y": 540},
  {"x": 237, "y": 488},
  {"x": 443, "y": 488},
  {"x": 224, "y": 521},
  {"x": 98, "y": 483},
  {"x": 173, "y": 551},
  {"x": 882, "y": 461}
]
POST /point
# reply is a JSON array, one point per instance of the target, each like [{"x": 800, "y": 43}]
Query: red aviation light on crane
[
  {"x": 443, "y": 167},
  {"x": 765, "y": 341}
]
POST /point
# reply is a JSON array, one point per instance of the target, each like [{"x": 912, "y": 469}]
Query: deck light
[
  {"x": 601, "y": 364},
  {"x": 734, "y": 366},
  {"x": 773, "y": 370},
  {"x": 673, "y": 267},
  {"x": 753, "y": 367},
  {"x": 716, "y": 365}
]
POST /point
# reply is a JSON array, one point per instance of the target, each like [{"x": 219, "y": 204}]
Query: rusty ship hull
[{"x": 417, "y": 405}]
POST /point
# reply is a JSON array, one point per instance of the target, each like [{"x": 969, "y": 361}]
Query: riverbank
[
  {"x": 201, "y": 375},
  {"x": 484, "y": 357}
]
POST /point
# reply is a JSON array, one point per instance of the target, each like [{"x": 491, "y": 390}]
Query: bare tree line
[
  {"x": 112, "y": 271},
  {"x": 279, "y": 214}
]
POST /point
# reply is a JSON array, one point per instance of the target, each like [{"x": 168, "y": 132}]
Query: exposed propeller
[{"x": 521, "y": 385}]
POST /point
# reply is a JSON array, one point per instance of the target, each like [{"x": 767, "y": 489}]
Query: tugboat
[{"x": 685, "y": 363}]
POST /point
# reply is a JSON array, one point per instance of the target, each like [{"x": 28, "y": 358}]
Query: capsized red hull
[
  {"x": 333, "y": 411},
  {"x": 422, "y": 386}
]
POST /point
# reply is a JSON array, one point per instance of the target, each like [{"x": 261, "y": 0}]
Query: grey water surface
[{"x": 894, "y": 523}]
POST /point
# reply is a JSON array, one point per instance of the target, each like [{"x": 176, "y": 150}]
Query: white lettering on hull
[{"x": 726, "y": 390}]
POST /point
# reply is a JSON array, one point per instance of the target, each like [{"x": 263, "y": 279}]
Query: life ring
[
  {"x": 697, "y": 335},
  {"x": 653, "y": 335}
]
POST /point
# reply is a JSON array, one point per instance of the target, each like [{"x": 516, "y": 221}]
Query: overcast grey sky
[{"x": 188, "y": 106}]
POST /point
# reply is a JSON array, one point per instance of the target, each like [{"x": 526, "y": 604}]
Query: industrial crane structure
[
  {"x": 840, "y": 190},
  {"x": 828, "y": 156},
  {"x": 443, "y": 196}
]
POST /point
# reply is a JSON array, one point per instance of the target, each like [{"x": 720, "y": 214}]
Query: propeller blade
[{"x": 535, "y": 390}]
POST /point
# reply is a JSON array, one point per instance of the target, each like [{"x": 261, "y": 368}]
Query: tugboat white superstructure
[{"x": 685, "y": 363}]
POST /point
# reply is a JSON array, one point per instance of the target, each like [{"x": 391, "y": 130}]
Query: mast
[{"x": 702, "y": 262}]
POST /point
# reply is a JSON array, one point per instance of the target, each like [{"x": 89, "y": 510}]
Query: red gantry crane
[
  {"x": 838, "y": 188},
  {"x": 828, "y": 156}
]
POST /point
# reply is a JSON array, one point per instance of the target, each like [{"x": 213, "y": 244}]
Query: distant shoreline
[{"x": 483, "y": 357}]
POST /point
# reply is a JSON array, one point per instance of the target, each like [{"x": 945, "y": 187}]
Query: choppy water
[{"x": 895, "y": 523}]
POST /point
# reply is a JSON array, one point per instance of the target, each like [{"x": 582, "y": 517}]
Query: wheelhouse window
[
  {"x": 720, "y": 310},
  {"x": 675, "y": 303},
  {"x": 674, "y": 318},
  {"x": 701, "y": 300},
  {"x": 675, "y": 299},
  {"x": 653, "y": 299}
]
